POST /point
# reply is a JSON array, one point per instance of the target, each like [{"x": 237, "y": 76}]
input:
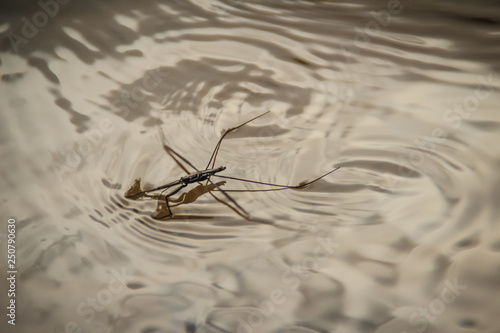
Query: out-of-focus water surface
[{"x": 404, "y": 96}]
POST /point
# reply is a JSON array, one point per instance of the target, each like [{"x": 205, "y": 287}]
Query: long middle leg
[
  {"x": 217, "y": 147},
  {"x": 238, "y": 209}
]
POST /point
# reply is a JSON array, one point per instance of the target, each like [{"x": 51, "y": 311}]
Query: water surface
[{"x": 404, "y": 98}]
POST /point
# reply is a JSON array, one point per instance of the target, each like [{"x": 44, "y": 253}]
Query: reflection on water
[{"x": 401, "y": 95}]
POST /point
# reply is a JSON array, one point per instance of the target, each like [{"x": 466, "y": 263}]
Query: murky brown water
[{"x": 402, "y": 95}]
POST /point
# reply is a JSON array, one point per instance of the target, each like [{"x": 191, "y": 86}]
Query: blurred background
[{"x": 402, "y": 95}]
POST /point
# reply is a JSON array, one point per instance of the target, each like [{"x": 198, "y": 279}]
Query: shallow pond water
[{"x": 401, "y": 95}]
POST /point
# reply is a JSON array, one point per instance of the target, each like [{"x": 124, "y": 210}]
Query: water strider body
[
  {"x": 194, "y": 177},
  {"x": 204, "y": 175},
  {"x": 200, "y": 176}
]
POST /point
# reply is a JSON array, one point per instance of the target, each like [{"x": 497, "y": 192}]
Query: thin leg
[
  {"x": 177, "y": 189},
  {"x": 243, "y": 211},
  {"x": 216, "y": 150},
  {"x": 281, "y": 187},
  {"x": 173, "y": 154},
  {"x": 238, "y": 210}
]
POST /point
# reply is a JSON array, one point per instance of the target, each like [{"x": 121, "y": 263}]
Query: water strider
[{"x": 199, "y": 176}]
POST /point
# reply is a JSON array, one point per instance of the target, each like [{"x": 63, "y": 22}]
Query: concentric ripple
[{"x": 402, "y": 98}]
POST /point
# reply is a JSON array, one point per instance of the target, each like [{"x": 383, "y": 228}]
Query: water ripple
[{"x": 405, "y": 104}]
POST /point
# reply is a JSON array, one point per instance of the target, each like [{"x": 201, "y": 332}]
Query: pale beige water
[{"x": 403, "y": 238}]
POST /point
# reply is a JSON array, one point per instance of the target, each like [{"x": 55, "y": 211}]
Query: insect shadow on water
[{"x": 205, "y": 175}]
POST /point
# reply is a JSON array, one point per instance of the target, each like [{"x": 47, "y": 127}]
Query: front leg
[{"x": 174, "y": 191}]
